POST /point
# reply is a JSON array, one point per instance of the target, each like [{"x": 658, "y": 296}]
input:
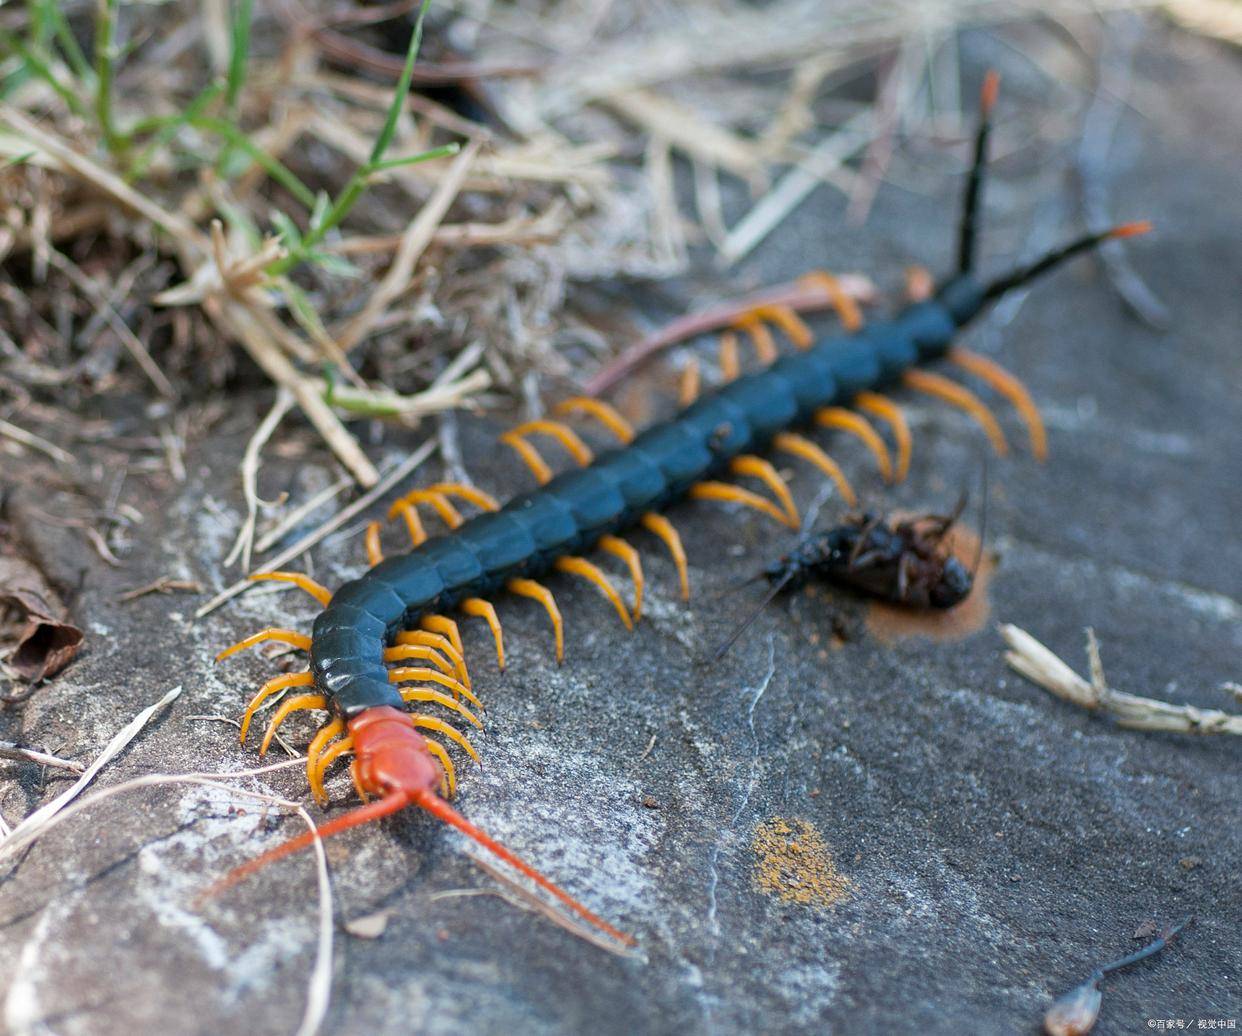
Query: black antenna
[
  {"x": 1023, "y": 274},
  {"x": 983, "y": 522},
  {"x": 974, "y": 182},
  {"x": 777, "y": 587}
]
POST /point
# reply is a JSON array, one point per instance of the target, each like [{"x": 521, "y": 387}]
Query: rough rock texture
[{"x": 974, "y": 847}]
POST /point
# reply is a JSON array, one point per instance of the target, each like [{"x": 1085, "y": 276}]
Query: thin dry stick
[
  {"x": 277, "y": 532},
  {"x": 11, "y": 431},
  {"x": 667, "y": 119},
  {"x": 413, "y": 243},
  {"x": 243, "y": 323},
  {"x": 790, "y": 191},
  {"x": 12, "y": 750},
  {"x": 798, "y": 297},
  {"x": 250, "y": 475},
  {"x": 162, "y": 585},
  {"x": 1028, "y": 656},
  {"x": 335, "y": 522},
  {"x": 517, "y": 230}
]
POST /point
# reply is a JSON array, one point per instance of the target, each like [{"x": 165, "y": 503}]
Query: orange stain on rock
[
  {"x": 889, "y": 623},
  {"x": 793, "y": 862}
]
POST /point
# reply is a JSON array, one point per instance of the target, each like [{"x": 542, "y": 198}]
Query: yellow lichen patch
[{"x": 793, "y": 861}]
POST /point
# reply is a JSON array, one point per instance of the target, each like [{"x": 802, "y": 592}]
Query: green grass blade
[
  {"x": 403, "y": 89},
  {"x": 425, "y": 156}
]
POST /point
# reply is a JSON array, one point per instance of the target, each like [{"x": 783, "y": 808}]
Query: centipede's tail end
[
  {"x": 989, "y": 93},
  {"x": 441, "y": 810}
]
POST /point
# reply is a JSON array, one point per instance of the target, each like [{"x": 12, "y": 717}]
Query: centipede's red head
[{"x": 391, "y": 757}]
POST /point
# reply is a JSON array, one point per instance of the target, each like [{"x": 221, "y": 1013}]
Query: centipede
[{"x": 386, "y": 650}]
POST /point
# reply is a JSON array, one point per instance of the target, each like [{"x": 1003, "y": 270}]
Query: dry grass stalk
[
  {"x": 1028, "y": 656},
  {"x": 244, "y": 543},
  {"x": 399, "y": 473},
  {"x": 413, "y": 243}
]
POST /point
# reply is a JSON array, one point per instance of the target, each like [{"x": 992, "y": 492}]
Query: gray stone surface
[{"x": 997, "y": 844}]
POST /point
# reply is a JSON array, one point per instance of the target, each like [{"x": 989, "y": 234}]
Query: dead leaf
[{"x": 45, "y": 641}]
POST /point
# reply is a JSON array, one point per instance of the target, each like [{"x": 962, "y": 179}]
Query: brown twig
[{"x": 162, "y": 585}]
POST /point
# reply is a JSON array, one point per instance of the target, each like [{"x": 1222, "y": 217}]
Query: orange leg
[
  {"x": 421, "y": 653},
  {"x": 439, "y": 503},
  {"x": 482, "y": 609},
  {"x": 791, "y": 442},
  {"x": 603, "y": 412},
  {"x": 539, "y": 592},
  {"x": 299, "y": 579},
  {"x": 273, "y": 686},
  {"x": 419, "y": 674},
  {"x": 345, "y": 745},
  {"x": 581, "y": 567},
  {"x": 619, "y": 548},
  {"x": 413, "y": 523},
  {"x": 660, "y": 526},
  {"x": 442, "y": 756},
  {"x": 375, "y": 552},
  {"x": 711, "y": 490},
  {"x": 410, "y": 694},
  {"x": 315, "y": 764},
  {"x": 789, "y": 322},
  {"x": 445, "y": 626},
  {"x": 730, "y": 364},
  {"x": 562, "y": 433},
  {"x": 471, "y": 494},
  {"x": 757, "y": 467},
  {"x": 1012, "y": 389},
  {"x": 438, "y": 641},
  {"x": 362, "y": 792},
  {"x": 856, "y": 424},
  {"x": 951, "y": 392},
  {"x": 760, "y": 337},
  {"x": 846, "y": 308},
  {"x": 688, "y": 390},
  {"x": 300, "y": 703},
  {"x": 290, "y": 637},
  {"x": 883, "y": 407},
  {"x": 452, "y": 733},
  {"x": 530, "y": 456}
]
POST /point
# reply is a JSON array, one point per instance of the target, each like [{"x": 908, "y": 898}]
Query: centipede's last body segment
[{"x": 398, "y": 612}]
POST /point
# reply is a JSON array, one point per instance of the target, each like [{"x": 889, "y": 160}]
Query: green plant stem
[
  {"x": 68, "y": 42},
  {"x": 105, "y": 74},
  {"x": 239, "y": 55}
]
